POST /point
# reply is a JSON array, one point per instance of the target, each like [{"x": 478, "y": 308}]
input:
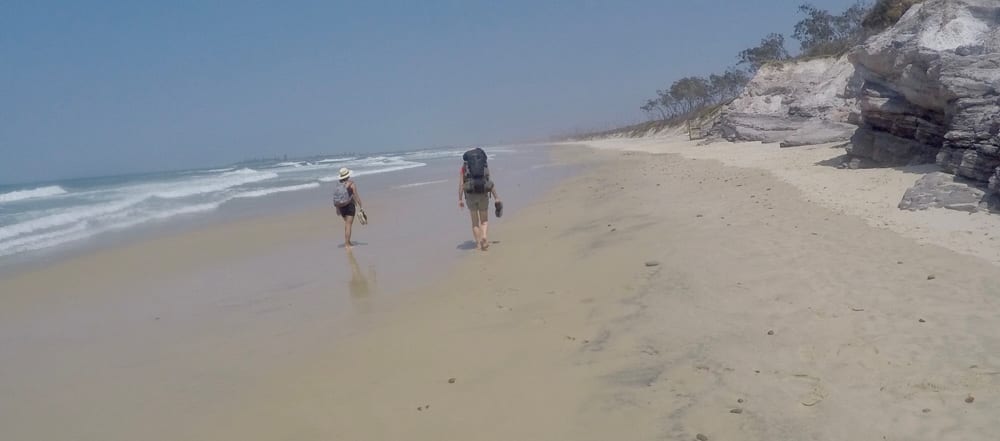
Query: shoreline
[{"x": 647, "y": 297}]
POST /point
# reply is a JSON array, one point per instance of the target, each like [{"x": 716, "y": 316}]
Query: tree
[
  {"x": 822, "y": 33},
  {"x": 727, "y": 86},
  {"x": 884, "y": 14},
  {"x": 667, "y": 103},
  {"x": 653, "y": 105},
  {"x": 771, "y": 48},
  {"x": 691, "y": 92}
]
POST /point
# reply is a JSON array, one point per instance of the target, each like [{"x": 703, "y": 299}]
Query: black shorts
[{"x": 347, "y": 210}]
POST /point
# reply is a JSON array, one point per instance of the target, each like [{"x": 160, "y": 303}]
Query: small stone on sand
[
  {"x": 922, "y": 321},
  {"x": 652, "y": 263},
  {"x": 740, "y": 400},
  {"x": 451, "y": 380},
  {"x": 931, "y": 277},
  {"x": 927, "y": 411},
  {"x": 970, "y": 399},
  {"x": 736, "y": 410},
  {"x": 420, "y": 409},
  {"x": 770, "y": 332},
  {"x": 701, "y": 437}
]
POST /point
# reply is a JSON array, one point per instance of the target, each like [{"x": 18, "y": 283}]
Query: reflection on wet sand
[{"x": 360, "y": 286}]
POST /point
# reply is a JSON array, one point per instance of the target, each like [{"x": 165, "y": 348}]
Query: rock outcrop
[
  {"x": 931, "y": 90},
  {"x": 795, "y": 103},
  {"x": 942, "y": 190}
]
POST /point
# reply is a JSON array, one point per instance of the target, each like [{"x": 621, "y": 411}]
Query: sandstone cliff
[
  {"x": 795, "y": 103},
  {"x": 931, "y": 91}
]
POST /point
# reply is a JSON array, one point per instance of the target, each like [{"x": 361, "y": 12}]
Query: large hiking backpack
[
  {"x": 477, "y": 175},
  {"x": 341, "y": 195}
]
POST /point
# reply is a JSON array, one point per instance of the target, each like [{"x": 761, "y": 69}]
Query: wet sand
[{"x": 651, "y": 297}]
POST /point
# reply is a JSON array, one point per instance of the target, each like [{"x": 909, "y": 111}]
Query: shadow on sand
[{"x": 354, "y": 243}]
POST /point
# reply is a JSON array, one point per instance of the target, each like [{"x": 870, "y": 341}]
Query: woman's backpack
[{"x": 341, "y": 195}]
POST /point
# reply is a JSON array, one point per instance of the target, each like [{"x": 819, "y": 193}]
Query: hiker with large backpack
[
  {"x": 348, "y": 203},
  {"x": 474, "y": 189}
]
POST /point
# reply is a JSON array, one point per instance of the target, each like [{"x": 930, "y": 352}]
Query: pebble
[
  {"x": 771, "y": 332},
  {"x": 736, "y": 410},
  {"x": 970, "y": 399},
  {"x": 700, "y": 215},
  {"x": 927, "y": 411},
  {"x": 701, "y": 437},
  {"x": 931, "y": 277},
  {"x": 922, "y": 321},
  {"x": 420, "y": 409},
  {"x": 652, "y": 263},
  {"x": 899, "y": 262},
  {"x": 739, "y": 401},
  {"x": 451, "y": 380}
]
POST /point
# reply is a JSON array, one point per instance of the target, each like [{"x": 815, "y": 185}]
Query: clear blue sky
[{"x": 108, "y": 87}]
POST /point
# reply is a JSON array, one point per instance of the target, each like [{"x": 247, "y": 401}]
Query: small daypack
[
  {"x": 341, "y": 195},
  {"x": 477, "y": 174}
]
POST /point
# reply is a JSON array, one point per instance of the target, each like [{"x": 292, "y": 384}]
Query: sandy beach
[{"x": 666, "y": 291}]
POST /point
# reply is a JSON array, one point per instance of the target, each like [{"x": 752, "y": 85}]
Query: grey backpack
[{"x": 341, "y": 196}]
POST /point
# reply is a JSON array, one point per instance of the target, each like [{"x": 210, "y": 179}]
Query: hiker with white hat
[{"x": 348, "y": 203}]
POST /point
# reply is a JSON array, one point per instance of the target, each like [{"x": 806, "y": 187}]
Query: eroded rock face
[
  {"x": 795, "y": 103},
  {"x": 931, "y": 90}
]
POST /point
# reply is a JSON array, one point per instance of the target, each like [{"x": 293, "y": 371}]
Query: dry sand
[
  {"x": 871, "y": 194},
  {"x": 649, "y": 298}
]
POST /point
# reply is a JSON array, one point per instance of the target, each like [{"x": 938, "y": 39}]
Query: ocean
[{"x": 47, "y": 215}]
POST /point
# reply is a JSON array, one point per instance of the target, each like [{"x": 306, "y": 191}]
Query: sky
[{"x": 112, "y": 87}]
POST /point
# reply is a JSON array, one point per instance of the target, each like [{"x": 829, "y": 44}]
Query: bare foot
[
  {"x": 484, "y": 244},
  {"x": 347, "y": 246}
]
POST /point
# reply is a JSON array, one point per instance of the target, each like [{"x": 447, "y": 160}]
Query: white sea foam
[
  {"x": 336, "y": 160},
  {"x": 421, "y": 184},
  {"x": 376, "y": 171},
  {"x": 67, "y": 217},
  {"x": 34, "y": 193},
  {"x": 269, "y": 191},
  {"x": 85, "y": 229},
  {"x": 212, "y": 184}
]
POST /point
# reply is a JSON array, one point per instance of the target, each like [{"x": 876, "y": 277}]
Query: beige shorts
[{"x": 477, "y": 201}]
